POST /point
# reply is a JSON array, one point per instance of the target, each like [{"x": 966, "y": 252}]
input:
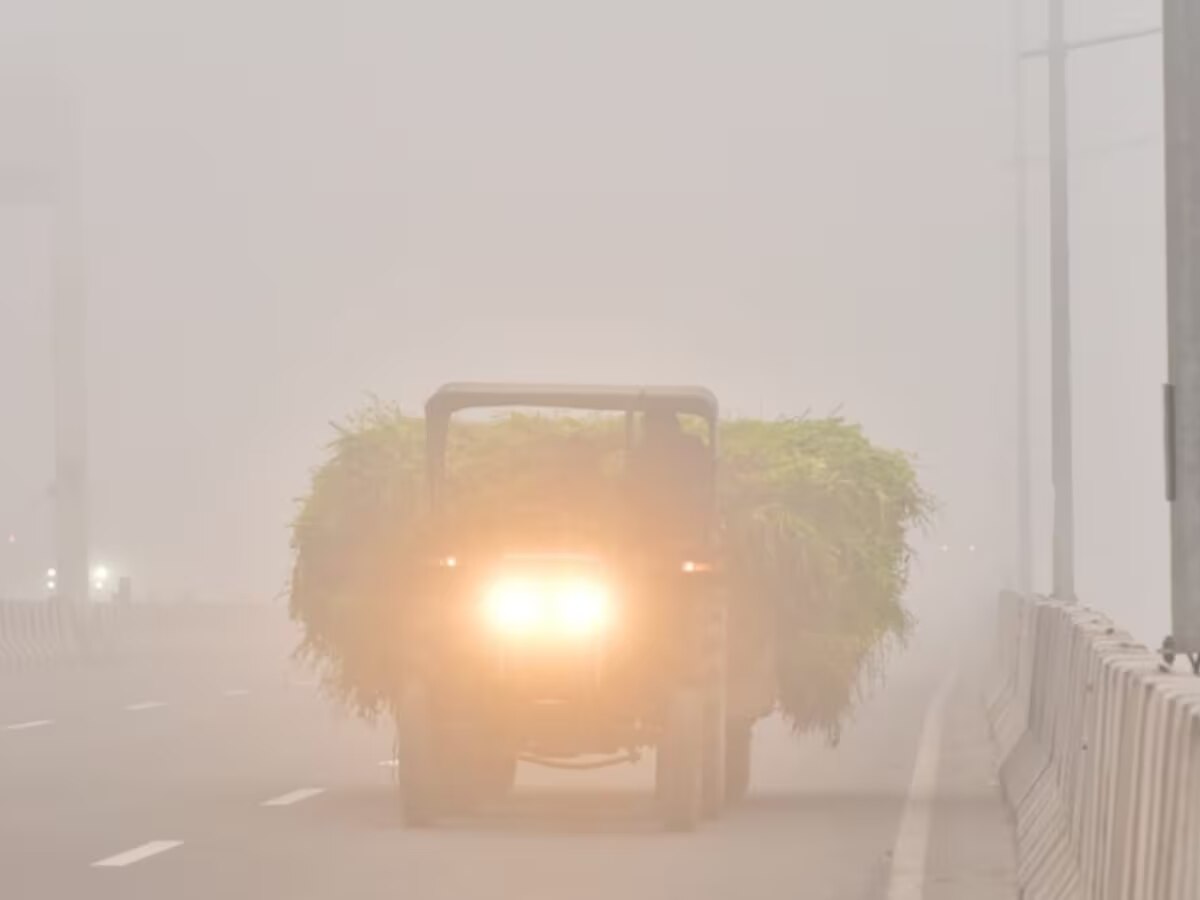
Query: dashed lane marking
[
  {"x": 293, "y": 797},
  {"x": 25, "y": 726},
  {"x": 906, "y": 880},
  {"x": 236, "y": 692},
  {"x": 136, "y": 855},
  {"x": 148, "y": 704}
]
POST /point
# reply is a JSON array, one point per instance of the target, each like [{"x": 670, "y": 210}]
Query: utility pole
[
  {"x": 70, "y": 373},
  {"x": 47, "y": 178},
  {"x": 1062, "y": 461},
  {"x": 1181, "y": 56},
  {"x": 1021, "y": 286},
  {"x": 1056, "y": 52}
]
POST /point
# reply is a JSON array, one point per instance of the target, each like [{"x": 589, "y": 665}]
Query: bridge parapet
[
  {"x": 1100, "y": 757},
  {"x": 37, "y": 634}
]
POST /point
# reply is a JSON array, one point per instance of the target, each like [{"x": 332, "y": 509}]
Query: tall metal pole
[
  {"x": 1181, "y": 54},
  {"x": 1056, "y": 51},
  {"x": 1021, "y": 287},
  {"x": 1060, "y": 303},
  {"x": 70, "y": 378}
]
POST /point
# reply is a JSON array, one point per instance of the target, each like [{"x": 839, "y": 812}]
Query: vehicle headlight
[
  {"x": 514, "y": 608},
  {"x": 581, "y": 609},
  {"x": 522, "y": 608}
]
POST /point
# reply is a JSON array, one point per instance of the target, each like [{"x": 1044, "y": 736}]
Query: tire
[
  {"x": 715, "y": 759},
  {"x": 493, "y": 775},
  {"x": 715, "y": 655},
  {"x": 468, "y": 776},
  {"x": 679, "y": 764},
  {"x": 417, "y": 770},
  {"x": 738, "y": 742}
]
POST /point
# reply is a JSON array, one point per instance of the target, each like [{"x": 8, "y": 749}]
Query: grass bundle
[{"x": 814, "y": 519}]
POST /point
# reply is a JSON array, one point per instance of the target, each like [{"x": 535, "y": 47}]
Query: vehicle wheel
[
  {"x": 494, "y": 774},
  {"x": 738, "y": 742},
  {"x": 714, "y": 764},
  {"x": 417, "y": 770},
  {"x": 471, "y": 772},
  {"x": 680, "y": 761}
]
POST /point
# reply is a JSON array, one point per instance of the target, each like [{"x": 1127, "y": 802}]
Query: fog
[{"x": 807, "y": 207}]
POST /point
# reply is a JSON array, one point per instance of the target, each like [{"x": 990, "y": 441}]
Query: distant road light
[{"x": 100, "y": 577}]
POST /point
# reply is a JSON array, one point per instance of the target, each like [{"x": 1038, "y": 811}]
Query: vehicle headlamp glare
[{"x": 521, "y": 608}]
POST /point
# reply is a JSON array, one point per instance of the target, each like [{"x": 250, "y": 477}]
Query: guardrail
[
  {"x": 1100, "y": 757},
  {"x": 33, "y": 633},
  {"x": 36, "y": 634}
]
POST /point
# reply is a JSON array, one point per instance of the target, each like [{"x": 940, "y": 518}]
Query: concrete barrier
[
  {"x": 37, "y": 634},
  {"x": 32, "y": 634},
  {"x": 1100, "y": 757}
]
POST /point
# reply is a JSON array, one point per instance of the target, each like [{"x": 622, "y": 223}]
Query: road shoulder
[{"x": 972, "y": 850}]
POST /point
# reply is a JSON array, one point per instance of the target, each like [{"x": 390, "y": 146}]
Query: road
[{"x": 202, "y": 775}]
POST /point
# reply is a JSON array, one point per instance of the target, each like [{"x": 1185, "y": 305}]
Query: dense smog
[{"x": 643, "y": 450}]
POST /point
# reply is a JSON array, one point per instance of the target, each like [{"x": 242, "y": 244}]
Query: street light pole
[
  {"x": 1056, "y": 52},
  {"x": 1062, "y": 461},
  {"x": 70, "y": 376},
  {"x": 1021, "y": 286},
  {"x": 50, "y": 180},
  {"x": 1181, "y": 71}
]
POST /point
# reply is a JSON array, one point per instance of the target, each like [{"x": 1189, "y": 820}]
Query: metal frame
[{"x": 460, "y": 396}]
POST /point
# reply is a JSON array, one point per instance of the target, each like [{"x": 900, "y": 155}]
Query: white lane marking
[
  {"x": 389, "y": 763},
  {"x": 293, "y": 797},
  {"x": 236, "y": 692},
  {"x": 907, "y": 878},
  {"x": 137, "y": 854},
  {"x": 25, "y": 726},
  {"x": 149, "y": 704}
]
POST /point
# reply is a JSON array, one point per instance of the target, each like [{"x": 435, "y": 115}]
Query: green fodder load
[
  {"x": 364, "y": 506},
  {"x": 815, "y": 518}
]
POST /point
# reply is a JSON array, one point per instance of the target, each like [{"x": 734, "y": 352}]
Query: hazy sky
[{"x": 804, "y": 206}]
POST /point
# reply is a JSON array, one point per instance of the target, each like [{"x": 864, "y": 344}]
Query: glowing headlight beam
[
  {"x": 519, "y": 609},
  {"x": 514, "y": 608},
  {"x": 581, "y": 609}
]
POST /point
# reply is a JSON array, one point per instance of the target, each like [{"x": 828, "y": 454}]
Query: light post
[
  {"x": 1181, "y": 76},
  {"x": 1056, "y": 52},
  {"x": 51, "y": 182}
]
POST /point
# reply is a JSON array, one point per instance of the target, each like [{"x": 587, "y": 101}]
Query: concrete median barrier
[
  {"x": 32, "y": 634},
  {"x": 1100, "y": 757},
  {"x": 38, "y": 634}
]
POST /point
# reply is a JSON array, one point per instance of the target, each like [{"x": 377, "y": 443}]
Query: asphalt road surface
[{"x": 227, "y": 775}]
